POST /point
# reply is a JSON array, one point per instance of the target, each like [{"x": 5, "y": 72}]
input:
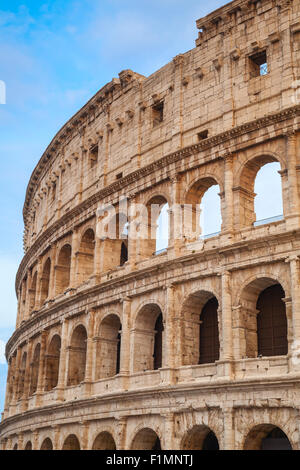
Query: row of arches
[
  {"x": 205, "y": 199},
  {"x": 262, "y": 323},
  {"x": 200, "y": 437}
]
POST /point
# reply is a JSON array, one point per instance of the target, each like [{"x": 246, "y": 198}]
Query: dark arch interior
[
  {"x": 276, "y": 440},
  {"x": 272, "y": 322},
  {"x": 159, "y": 328},
  {"x": 209, "y": 333},
  {"x": 47, "y": 444}
]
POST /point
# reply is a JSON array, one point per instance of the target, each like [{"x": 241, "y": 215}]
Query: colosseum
[{"x": 120, "y": 345}]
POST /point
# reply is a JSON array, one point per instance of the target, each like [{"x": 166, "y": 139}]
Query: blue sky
[{"x": 53, "y": 57}]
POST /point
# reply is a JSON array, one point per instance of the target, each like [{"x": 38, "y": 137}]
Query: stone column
[
  {"x": 56, "y": 436},
  {"x": 89, "y": 353},
  {"x": 125, "y": 337},
  {"x": 75, "y": 249},
  {"x": 27, "y": 299},
  {"x": 85, "y": 436},
  {"x": 121, "y": 433},
  {"x": 10, "y": 373},
  {"x": 20, "y": 441},
  {"x": 228, "y": 213},
  {"x": 27, "y": 376},
  {"x": 37, "y": 304},
  {"x": 52, "y": 279},
  {"x": 17, "y": 377},
  {"x": 176, "y": 217},
  {"x": 63, "y": 366},
  {"x": 97, "y": 259},
  {"x": 295, "y": 291},
  {"x": 35, "y": 440},
  {"x": 293, "y": 218},
  {"x": 228, "y": 433},
  {"x": 169, "y": 337},
  {"x": 42, "y": 367},
  {"x": 168, "y": 443},
  {"x": 226, "y": 322}
]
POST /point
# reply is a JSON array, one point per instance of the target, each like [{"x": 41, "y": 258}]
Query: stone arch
[
  {"x": 146, "y": 439},
  {"x": 28, "y": 446},
  {"x": 45, "y": 281},
  {"x": 47, "y": 444},
  {"x": 193, "y": 211},
  {"x": 71, "y": 443},
  {"x": 245, "y": 181},
  {"x": 35, "y": 365},
  {"x": 52, "y": 363},
  {"x": 63, "y": 269},
  {"x": 150, "y": 225},
  {"x": 115, "y": 244},
  {"x": 246, "y": 314},
  {"x": 148, "y": 342},
  {"x": 85, "y": 256},
  {"x": 200, "y": 437},
  {"x": 267, "y": 437},
  {"x": 15, "y": 447},
  {"x": 109, "y": 347},
  {"x": 104, "y": 441},
  {"x": 198, "y": 307},
  {"x": 77, "y": 356}
]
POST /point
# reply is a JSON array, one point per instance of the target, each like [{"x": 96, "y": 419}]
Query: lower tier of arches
[{"x": 229, "y": 418}]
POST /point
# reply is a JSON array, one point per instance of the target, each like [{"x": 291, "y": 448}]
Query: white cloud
[{"x": 2, "y": 352}]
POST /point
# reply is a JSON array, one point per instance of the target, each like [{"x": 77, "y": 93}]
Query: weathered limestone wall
[{"x": 82, "y": 361}]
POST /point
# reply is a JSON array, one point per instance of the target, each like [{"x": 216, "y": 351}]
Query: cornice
[
  {"x": 162, "y": 163},
  {"x": 217, "y": 386}
]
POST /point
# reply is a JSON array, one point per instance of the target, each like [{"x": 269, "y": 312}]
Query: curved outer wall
[{"x": 220, "y": 122}]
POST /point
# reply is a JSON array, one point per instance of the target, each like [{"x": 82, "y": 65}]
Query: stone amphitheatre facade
[{"x": 118, "y": 346}]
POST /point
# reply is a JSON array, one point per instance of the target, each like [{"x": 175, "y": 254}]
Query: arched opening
[
  {"x": 28, "y": 446},
  {"x": 148, "y": 339},
  {"x": 104, "y": 441},
  {"x": 115, "y": 243},
  {"x": 108, "y": 357},
  {"x": 63, "y": 269},
  {"x": 268, "y": 200},
  {"x": 260, "y": 175},
  {"x": 153, "y": 231},
  {"x": 77, "y": 356},
  {"x": 71, "y": 443},
  {"x": 45, "y": 281},
  {"x": 33, "y": 293},
  {"x": 85, "y": 256},
  {"x": 15, "y": 447},
  {"x": 22, "y": 376},
  {"x": 200, "y": 329},
  {"x": 267, "y": 437},
  {"x": 146, "y": 439},
  {"x": 261, "y": 321},
  {"x": 202, "y": 215},
  {"x": 200, "y": 438},
  {"x": 35, "y": 365},
  {"x": 52, "y": 363},
  {"x": 47, "y": 444},
  {"x": 272, "y": 322},
  {"x": 209, "y": 333}
]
